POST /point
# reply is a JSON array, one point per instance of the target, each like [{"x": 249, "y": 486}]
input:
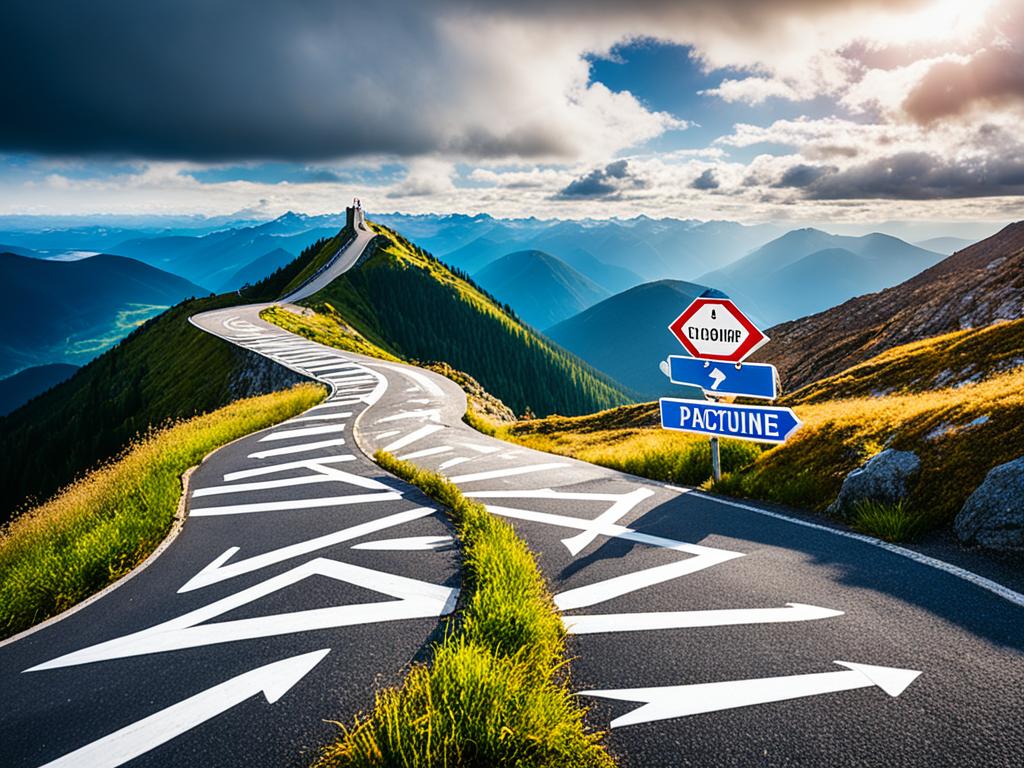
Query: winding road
[{"x": 704, "y": 631}]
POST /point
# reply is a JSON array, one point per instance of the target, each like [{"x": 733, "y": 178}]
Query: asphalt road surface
[{"x": 704, "y": 631}]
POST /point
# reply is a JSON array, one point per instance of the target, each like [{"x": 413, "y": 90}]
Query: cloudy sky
[{"x": 790, "y": 110}]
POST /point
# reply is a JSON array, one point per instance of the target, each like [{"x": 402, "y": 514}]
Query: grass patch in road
[
  {"x": 890, "y": 522},
  {"x": 325, "y": 327},
  {"x": 496, "y": 690},
  {"x": 97, "y": 529}
]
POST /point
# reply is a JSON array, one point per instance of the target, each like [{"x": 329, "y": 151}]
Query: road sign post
[{"x": 719, "y": 337}]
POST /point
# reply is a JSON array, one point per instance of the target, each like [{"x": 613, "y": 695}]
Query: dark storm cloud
[
  {"x": 609, "y": 181},
  {"x": 803, "y": 175},
  {"x": 706, "y": 180},
  {"x": 921, "y": 176},
  {"x": 222, "y": 80}
]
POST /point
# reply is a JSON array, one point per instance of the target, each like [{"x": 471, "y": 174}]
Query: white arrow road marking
[
  {"x": 717, "y": 376},
  {"x": 329, "y": 404},
  {"x": 632, "y": 622},
  {"x": 415, "y": 599},
  {"x": 455, "y": 462},
  {"x": 412, "y": 437},
  {"x": 496, "y": 473},
  {"x": 320, "y": 417},
  {"x": 423, "y": 380},
  {"x": 322, "y": 475},
  {"x": 426, "y": 452},
  {"x": 682, "y": 700},
  {"x": 598, "y": 592},
  {"x": 272, "y": 680},
  {"x": 297, "y": 448},
  {"x": 302, "y": 464},
  {"x": 481, "y": 448},
  {"x": 430, "y": 414},
  {"x": 217, "y": 570},
  {"x": 280, "y": 506},
  {"x": 411, "y": 543},
  {"x": 622, "y": 506},
  {"x": 288, "y": 434}
]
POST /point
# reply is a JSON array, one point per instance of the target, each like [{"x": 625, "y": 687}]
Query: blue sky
[{"x": 800, "y": 111}]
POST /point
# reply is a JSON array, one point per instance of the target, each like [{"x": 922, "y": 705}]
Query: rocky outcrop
[
  {"x": 883, "y": 479},
  {"x": 258, "y": 375},
  {"x": 972, "y": 288},
  {"x": 993, "y": 516}
]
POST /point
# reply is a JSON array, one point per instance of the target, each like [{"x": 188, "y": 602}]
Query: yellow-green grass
[
  {"x": 97, "y": 529},
  {"x": 970, "y": 355},
  {"x": 958, "y": 432},
  {"x": 628, "y": 439},
  {"x": 327, "y": 327},
  {"x": 496, "y": 689},
  {"x": 891, "y": 522}
]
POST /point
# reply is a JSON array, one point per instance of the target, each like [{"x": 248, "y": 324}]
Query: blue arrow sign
[
  {"x": 744, "y": 380},
  {"x": 760, "y": 423}
]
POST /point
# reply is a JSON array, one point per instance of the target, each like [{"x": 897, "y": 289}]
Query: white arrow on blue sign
[
  {"x": 760, "y": 423},
  {"x": 744, "y": 380}
]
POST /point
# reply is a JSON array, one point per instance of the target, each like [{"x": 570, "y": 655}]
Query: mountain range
[
  {"x": 542, "y": 289},
  {"x": 975, "y": 287},
  {"x": 615, "y": 253},
  {"x": 807, "y": 270},
  {"x": 626, "y": 336},
  {"x": 69, "y": 311}
]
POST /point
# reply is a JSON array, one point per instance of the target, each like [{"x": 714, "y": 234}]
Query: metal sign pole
[{"x": 716, "y": 460}]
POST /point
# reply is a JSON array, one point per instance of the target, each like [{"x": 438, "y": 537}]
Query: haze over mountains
[
  {"x": 626, "y": 336},
  {"x": 70, "y": 311},
  {"x": 975, "y": 287},
  {"x": 547, "y": 270},
  {"x": 807, "y": 270},
  {"x": 542, "y": 289}
]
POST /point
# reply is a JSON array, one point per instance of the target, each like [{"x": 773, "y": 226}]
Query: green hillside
[
  {"x": 166, "y": 369},
  {"x": 409, "y": 304}
]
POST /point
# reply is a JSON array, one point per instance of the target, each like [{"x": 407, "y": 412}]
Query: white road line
[
  {"x": 323, "y": 417},
  {"x": 454, "y": 462},
  {"x": 672, "y": 701},
  {"x": 412, "y": 543},
  {"x": 220, "y": 569},
  {"x": 282, "y": 506},
  {"x": 972, "y": 578},
  {"x": 426, "y": 452},
  {"x": 296, "y": 448},
  {"x": 411, "y": 599},
  {"x": 412, "y": 437},
  {"x": 510, "y": 472},
  {"x": 262, "y": 485},
  {"x": 328, "y": 404},
  {"x": 622, "y": 506},
  {"x": 430, "y": 414},
  {"x": 485, "y": 449},
  {"x": 138, "y": 738},
  {"x": 421, "y": 379},
  {"x": 635, "y": 622},
  {"x": 288, "y": 434},
  {"x": 242, "y": 474}
]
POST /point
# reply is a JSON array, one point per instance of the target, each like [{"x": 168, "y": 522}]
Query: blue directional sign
[
  {"x": 744, "y": 380},
  {"x": 760, "y": 423}
]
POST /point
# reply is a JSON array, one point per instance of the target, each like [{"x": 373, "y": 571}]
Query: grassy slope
[
  {"x": 166, "y": 369},
  {"x": 99, "y": 528},
  {"x": 496, "y": 691},
  {"x": 959, "y": 432},
  {"x": 402, "y": 300}
]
